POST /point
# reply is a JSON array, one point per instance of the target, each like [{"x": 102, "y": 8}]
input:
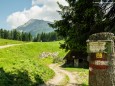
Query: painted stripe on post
[
  {"x": 93, "y": 66},
  {"x": 90, "y": 68},
  {"x": 98, "y": 62}
]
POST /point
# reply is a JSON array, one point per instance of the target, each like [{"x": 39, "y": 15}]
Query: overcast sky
[{"x": 14, "y": 13}]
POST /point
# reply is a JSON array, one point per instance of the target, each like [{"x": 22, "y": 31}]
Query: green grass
[
  {"x": 64, "y": 81},
  {"x": 82, "y": 74},
  {"x": 6, "y": 41},
  {"x": 21, "y": 65}
]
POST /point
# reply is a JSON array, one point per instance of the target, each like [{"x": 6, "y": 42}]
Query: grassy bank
[{"x": 22, "y": 66}]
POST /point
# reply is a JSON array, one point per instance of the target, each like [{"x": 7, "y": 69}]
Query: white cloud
[
  {"x": 16, "y": 19},
  {"x": 41, "y": 9},
  {"x": 38, "y": 2}
]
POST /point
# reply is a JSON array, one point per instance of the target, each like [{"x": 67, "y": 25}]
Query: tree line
[
  {"x": 15, "y": 35},
  {"x": 46, "y": 37},
  {"x": 24, "y": 36}
]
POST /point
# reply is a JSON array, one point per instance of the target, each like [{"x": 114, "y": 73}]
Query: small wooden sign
[
  {"x": 99, "y": 46},
  {"x": 98, "y": 55}
]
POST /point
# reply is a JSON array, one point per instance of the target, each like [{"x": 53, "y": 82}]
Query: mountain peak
[
  {"x": 35, "y": 26},
  {"x": 34, "y": 20}
]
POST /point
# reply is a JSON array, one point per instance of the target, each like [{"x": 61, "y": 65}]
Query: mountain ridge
[{"x": 35, "y": 26}]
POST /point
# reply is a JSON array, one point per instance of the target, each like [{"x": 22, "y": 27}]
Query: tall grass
[{"x": 21, "y": 65}]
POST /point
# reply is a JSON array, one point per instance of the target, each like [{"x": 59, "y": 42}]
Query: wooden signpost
[{"x": 100, "y": 51}]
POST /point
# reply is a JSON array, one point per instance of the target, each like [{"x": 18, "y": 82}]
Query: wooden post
[{"x": 100, "y": 47}]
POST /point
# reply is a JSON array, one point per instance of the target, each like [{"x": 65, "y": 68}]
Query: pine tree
[
  {"x": 23, "y": 36},
  {"x": 43, "y": 37},
  {"x": 79, "y": 20},
  {"x": 52, "y": 36},
  {"x": 2, "y": 33},
  {"x": 6, "y": 34},
  {"x": 38, "y": 37},
  {"x": 29, "y": 37},
  {"x": 15, "y": 35}
]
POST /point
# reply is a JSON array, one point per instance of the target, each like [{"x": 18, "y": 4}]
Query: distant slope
[{"x": 35, "y": 26}]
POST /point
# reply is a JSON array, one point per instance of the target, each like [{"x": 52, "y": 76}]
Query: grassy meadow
[
  {"x": 6, "y": 41},
  {"x": 22, "y": 66}
]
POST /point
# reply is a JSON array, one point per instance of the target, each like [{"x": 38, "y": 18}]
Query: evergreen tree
[
  {"x": 11, "y": 35},
  {"x": 52, "y": 36},
  {"x": 29, "y": 37},
  {"x": 6, "y": 34},
  {"x": 46, "y": 37},
  {"x": 43, "y": 37},
  {"x": 109, "y": 15},
  {"x": 38, "y": 37},
  {"x": 2, "y": 33},
  {"x": 23, "y": 36},
  {"x": 15, "y": 35},
  {"x": 79, "y": 20}
]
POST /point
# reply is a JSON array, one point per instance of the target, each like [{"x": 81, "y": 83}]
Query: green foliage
[
  {"x": 58, "y": 60},
  {"x": 15, "y": 35},
  {"x": 80, "y": 19},
  {"x": 23, "y": 36},
  {"x": 107, "y": 16},
  {"x": 21, "y": 65},
  {"x": 47, "y": 37}
]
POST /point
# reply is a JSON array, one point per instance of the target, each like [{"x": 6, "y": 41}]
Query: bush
[{"x": 58, "y": 60}]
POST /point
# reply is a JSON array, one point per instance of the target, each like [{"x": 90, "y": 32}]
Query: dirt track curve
[
  {"x": 10, "y": 45},
  {"x": 5, "y": 46},
  {"x": 62, "y": 77}
]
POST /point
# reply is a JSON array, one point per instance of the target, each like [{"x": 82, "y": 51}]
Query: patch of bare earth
[
  {"x": 10, "y": 45},
  {"x": 63, "y": 77},
  {"x": 58, "y": 79},
  {"x": 5, "y": 46}
]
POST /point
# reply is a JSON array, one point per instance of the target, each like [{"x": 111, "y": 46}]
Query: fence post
[{"x": 100, "y": 48}]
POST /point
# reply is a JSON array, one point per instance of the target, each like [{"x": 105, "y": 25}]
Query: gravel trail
[{"x": 59, "y": 78}]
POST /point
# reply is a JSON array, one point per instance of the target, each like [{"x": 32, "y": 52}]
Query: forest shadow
[
  {"x": 18, "y": 79},
  {"x": 71, "y": 66}
]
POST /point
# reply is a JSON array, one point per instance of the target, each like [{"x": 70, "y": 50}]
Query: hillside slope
[
  {"x": 35, "y": 26},
  {"x": 23, "y": 63}
]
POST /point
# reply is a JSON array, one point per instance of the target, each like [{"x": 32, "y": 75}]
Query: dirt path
[
  {"x": 62, "y": 77},
  {"x": 59, "y": 76},
  {"x": 10, "y": 45},
  {"x": 72, "y": 78},
  {"x": 5, "y": 46}
]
